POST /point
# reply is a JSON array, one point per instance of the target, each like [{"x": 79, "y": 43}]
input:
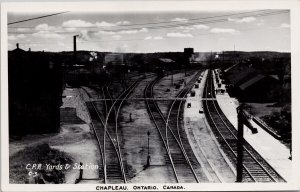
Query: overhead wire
[
  {"x": 162, "y": 22},
  {"x": 165, "y": 26},
  {"x": 35, "y": 18},
  {"x": 177, "y": 25}
]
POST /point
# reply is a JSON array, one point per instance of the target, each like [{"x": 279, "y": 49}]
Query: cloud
[
  {"x": 23, "y": 29},
  {"x": 284, "y": 25},
  {"x": 154, "y": 38},
  {"x": 261, "y": 22},
  {"x": 84, "y": 35},
  {"x": 201, "y": 26},
  {"x": 186, "y": 28},
  {"x": 21, "y": 36},
  {"x": 12, "y": 37},
  {"x": 193, "y": 27},
  {"x": 182, "y": 35},
  {"x": 117, "y": 37},
  {"x": 182, "y": 20},
  {"x": 16, "y": 37},
  {"x": 135, "y": 31},
  {"x": 47, "y": 34},
  {"x": 77, "y": 23},
  {"x": 44, "y": 27},
  {"x": 143, "y": 30},
  {"x": 242, "y": 20},
  {"x": 122, "y": 23},
  {"x": 105, "y": 33},
  {"x": 158, "y": 38},
  {"x": 224, "y": 30},
  {"x": 107, "y": 24}
]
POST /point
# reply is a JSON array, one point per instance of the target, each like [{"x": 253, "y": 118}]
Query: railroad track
[
  {"x": 177, "y": 156},
  {"x": 114, "y": 168},
  {"x": 255, "y": 168}
]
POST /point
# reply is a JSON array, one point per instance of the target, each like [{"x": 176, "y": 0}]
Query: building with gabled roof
[{"x": 248, "y": 84}]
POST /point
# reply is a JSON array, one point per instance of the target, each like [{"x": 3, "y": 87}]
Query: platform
[{"x": 271, "y": 149}]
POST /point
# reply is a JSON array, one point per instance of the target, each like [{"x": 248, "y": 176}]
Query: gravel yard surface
[
  {"x": 134, "y": 142},
  {"x": 164, "y": 88}
]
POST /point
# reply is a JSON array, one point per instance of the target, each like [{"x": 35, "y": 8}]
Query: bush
[
  {"x": 38, "y": 154},
  {"x": 281, "y": 123}
]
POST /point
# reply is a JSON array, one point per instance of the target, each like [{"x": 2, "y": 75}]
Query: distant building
[
  {"x": 189, "y": 55},
  {"x": 249, "y": 85},
  {"x": 115, "y": 66},
  {"x": 166, "y": 63},
  {"x": 114, "y": 59},
  {"x": 35, "y": 92},
  {"x": 188, "y": 52}
]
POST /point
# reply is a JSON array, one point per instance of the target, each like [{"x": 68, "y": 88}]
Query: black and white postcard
[{"x": 150, "y": 96}]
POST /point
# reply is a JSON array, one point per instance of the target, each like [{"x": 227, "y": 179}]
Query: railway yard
[
  {"x": 152, "y": 97},
  {"x": 168, "y": 129}
]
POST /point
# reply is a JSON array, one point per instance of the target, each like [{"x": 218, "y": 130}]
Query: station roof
[
  {"x": 229, "y": 68},
  {"x": 240, "y": 75},
  {"x": 251, "y": 81},
  {"x": 166, "y": 60}
]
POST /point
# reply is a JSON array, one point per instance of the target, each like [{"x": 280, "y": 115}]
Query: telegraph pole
[
  {"x": 223, "y": 57},
  {"x": 75, "y": 57},
  {"x": 148, "y": 157},
  {"x": 234, "y": 53},
  {"x": 172, "y": 76},
  {"x": 240, "y": 145},
  {"x": 243, "y": 119}
]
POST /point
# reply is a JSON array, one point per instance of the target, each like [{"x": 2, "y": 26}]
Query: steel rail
[
  {"x": 251, "y": 156},
  {"x": 94, "y": 129},
  {"x": 244, "y": 147},
  {"x": 129, "y": 90},
  {"x": 210, "y": 115},
  {"x": 151, "y": 84},
  {"x": 185, "y": 92},
  {"x": 103, "y": 155}
]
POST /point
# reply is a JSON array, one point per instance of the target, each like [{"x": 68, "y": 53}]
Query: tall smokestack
[
  {"x": 75, "y": 51},
  {"x": 74, "y": 42}
]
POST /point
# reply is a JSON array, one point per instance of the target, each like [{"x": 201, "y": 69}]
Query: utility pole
[
  {"x": 210, "y": 57},
  {"x": 234, "y": 53},
  {"x": 75, "y": 57},
  {"x": 172, "y": 76},
  {"x": 148, "y": 157},
  {"x": 240, "y": 145},
  {"x": 223, "y": 57},
  {"x": 242, "y": 120}
]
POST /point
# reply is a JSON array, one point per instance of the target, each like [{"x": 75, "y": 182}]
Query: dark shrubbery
[
  {"x": 39, "y": 154},
  {"x": 281, "y": 123}
]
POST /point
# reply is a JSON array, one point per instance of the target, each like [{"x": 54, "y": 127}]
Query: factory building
[{"x": 35, "y": 92}]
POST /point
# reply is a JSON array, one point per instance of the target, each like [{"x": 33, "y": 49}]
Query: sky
[{"x": 251, "y": 30}]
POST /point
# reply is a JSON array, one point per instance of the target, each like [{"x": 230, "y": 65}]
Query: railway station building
[{"x": 249, "y": 85}]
